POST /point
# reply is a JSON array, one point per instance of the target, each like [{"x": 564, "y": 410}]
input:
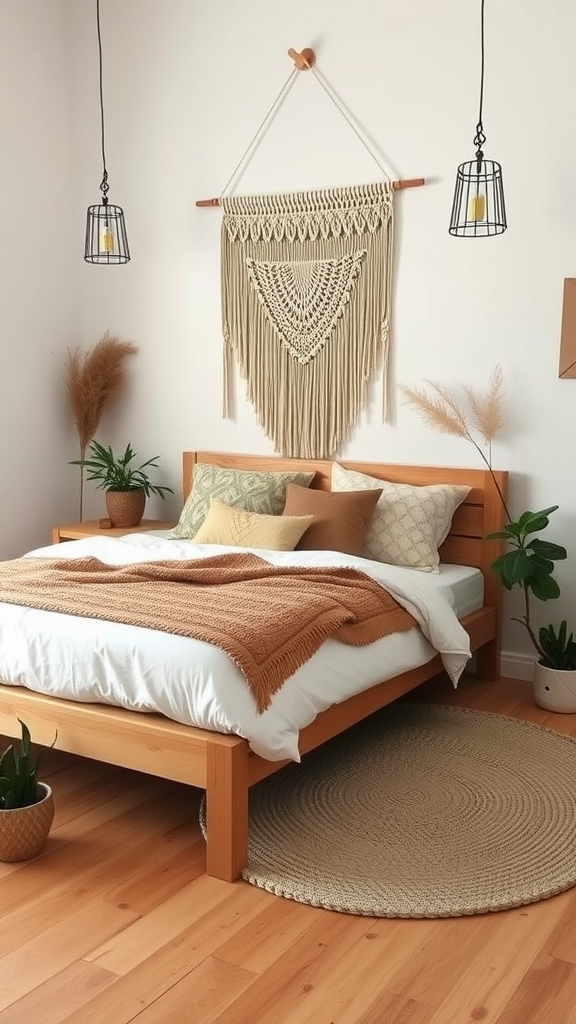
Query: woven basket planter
[
  {"x": 126, "y": 508},
  {"x": 24, "y": 830}
]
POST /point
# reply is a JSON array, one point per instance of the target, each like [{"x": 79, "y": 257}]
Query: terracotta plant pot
[
  {"x": 24, "y": 830},
  {"x": 126, "y": 508}
]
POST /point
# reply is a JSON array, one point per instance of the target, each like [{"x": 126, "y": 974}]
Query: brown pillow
[{"x": 341, "y": 518}]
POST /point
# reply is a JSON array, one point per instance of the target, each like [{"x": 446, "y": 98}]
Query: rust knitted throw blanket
[{"x": 268, "y": 619}]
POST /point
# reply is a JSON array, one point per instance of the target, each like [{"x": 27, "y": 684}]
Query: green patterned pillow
[{"x": 242, "y": 488}]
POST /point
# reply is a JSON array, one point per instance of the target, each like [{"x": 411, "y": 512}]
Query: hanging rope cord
[
  {"x": 104, "y": 186},
  {"x": 333, "y": 99},
  {"x": 480, "y": 138}
]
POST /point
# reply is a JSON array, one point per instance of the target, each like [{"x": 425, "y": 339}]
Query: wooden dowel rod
[
  {"x": 409, "y": 183},
  {"x": 396, "y": 185}
]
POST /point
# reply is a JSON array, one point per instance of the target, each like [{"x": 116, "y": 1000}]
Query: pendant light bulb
[
  {"x": 477, "y": 208},
  {"x": 106, "y": 240}
]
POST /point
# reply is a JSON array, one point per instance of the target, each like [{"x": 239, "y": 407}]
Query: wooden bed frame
[{"x": 223, "y": 765}]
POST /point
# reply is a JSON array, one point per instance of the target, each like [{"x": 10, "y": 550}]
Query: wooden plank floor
[{"x": 117, "y": 922}]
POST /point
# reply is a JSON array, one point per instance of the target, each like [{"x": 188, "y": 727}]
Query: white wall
[
  {"x": 187, "y": 84},
  {"x": 39, "y": 303}
]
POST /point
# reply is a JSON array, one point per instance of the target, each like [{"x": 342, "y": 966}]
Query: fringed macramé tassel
[
  {"x": 385, "y": 373},
  {"x": 386, "y": 321},
  {"x": 226, "y": 376}
]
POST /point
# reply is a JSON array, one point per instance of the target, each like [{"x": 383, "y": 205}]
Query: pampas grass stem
[
  {"x": 442, "y": 411},
  {"x": 92, "y": 380}
]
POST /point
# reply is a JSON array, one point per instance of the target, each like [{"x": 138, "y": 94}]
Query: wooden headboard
[{"x": 481, "y": 513}]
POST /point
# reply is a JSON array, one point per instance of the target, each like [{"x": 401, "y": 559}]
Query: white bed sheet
[{"x": 197, "y": 684}]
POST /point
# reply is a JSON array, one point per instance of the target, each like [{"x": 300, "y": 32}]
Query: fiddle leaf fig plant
[
  {"x": 117, "y": 473},
  {"x": 529, "y": 564}
]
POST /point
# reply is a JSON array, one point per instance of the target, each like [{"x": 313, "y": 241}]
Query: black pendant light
[
  {"x": 106, "y": 240},
  {"x": 478, "y": 209}
]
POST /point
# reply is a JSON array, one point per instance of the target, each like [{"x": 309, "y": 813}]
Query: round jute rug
[{"x": 420, "y": 811}]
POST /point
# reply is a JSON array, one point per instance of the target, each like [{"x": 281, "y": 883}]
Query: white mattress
[
  {"x": 462, "y": 586},
  {"x": 195, "y": 683}
]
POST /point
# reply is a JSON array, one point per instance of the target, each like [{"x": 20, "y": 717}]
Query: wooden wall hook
[{"x": 304, "y": 60}]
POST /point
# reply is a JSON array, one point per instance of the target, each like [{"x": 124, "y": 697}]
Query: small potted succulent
[
  {"x": 126, "y": 485},
  {"x": 26, "y": 805}
]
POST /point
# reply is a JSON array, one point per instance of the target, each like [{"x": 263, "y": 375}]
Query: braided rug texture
[{"x": 420, "y": 811}]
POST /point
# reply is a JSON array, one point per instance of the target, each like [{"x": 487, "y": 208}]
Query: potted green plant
[
  {"x": 126, "y": 485},
  {"x": 26, "y": 805},
  {"x": 529, "y": 564},
  {"x": 93, "y": 380},
  {"x": 529, "y": 561}
]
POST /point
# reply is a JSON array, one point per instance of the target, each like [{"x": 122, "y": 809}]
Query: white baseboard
[{"x": 517, "y": 666}]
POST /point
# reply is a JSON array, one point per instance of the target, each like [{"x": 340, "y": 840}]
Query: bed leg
[
  {"x": 488, "y": 660},
  {"x": 226, "y": 808}
]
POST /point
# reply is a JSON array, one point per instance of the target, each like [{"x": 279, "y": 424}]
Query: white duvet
[{"x": 195, "y": 683}]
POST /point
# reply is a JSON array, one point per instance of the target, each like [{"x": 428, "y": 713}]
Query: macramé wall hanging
[{"x": 306, "y": 291}]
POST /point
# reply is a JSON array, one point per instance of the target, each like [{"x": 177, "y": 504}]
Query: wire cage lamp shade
[
  {"x": 478, "y": 208},
  {"x": 106, "y": 240}
]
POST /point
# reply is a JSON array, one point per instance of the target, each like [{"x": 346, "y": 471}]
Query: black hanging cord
[
  {"x": 480, "y": 138},
  {"x": 104, "y": 183}
]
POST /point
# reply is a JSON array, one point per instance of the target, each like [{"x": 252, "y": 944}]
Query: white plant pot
[{"x": 555, "y": 689}]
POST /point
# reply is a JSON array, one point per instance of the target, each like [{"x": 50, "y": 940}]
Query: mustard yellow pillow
[{"x": 234, "y": 526}]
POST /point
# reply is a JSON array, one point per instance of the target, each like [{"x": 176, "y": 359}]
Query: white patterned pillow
[
  {"x": 409, "y": 523},
  {"x": 243, "y": 488}
]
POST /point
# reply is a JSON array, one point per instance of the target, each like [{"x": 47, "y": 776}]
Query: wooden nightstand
[{"x": 92, "y": 528}]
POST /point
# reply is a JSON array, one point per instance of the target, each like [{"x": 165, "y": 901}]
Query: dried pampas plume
[
  {"x": 442, "y": 411},
  {"x": 92, "y": 380}
]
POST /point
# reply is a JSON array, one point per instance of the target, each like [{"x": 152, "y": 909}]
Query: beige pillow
[
  {"x": 409, "y": 523},
  {"x": 340, "y": 520},
  {"x": 254, "y": 491},
  {"x": 238, "y": 528}
]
